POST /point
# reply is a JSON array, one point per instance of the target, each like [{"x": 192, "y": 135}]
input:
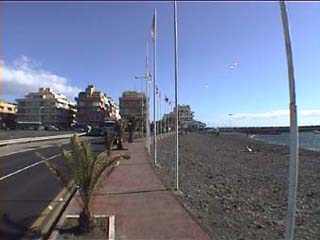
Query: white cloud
[{"x": 25, "y": 76}]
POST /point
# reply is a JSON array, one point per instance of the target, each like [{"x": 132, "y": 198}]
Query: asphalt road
[
  {"x": 27, "y": 186},
  {"x": 14, "y": 134}
]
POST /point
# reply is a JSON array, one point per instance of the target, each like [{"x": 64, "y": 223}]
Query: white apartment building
[
  {"x": 45, "y": 108},
  {"x": 114, "y": 110},
  {"x": 185, "y": 114}
]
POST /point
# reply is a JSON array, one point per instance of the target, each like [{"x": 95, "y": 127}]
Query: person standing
[{"x": 130, "y": 129}]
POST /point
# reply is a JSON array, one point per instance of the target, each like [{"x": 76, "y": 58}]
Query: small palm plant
[{"x": 86, "y": 170}]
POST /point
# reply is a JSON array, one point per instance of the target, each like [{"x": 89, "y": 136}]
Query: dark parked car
[
  {"x": 95, "y": 131},
  {"x": 109, "y": 126},
  {"x": 53, "y": 128}
]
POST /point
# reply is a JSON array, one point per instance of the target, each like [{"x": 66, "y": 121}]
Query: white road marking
[
  {"x": 30, "y": 166},
  {"x": 47, "y": 146},
  {"x": 27, "y": 150}
]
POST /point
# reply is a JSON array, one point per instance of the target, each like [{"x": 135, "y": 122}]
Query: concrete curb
[
  {"x": 50, "y": 220},
  {"x": 53, "y": 219},
  {"x": 36, "y": 139}
]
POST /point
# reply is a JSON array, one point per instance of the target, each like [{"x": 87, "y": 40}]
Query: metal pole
[
  {"x": 142, "y": 108},
  {"x": 169, "y": 118},
  {"x": 294, "y": 140},
  {"x": 158, "y": 113},
  {"x": 147, "y": 100},
  {"x": 160, "y": 119},
  {"x": 147, "y": 117},
  {"x": 150, "y": 137},
  {"x": 165, "y": 118},
  {"x": 176, "y": 91},
  {"x": 154, "y": 87}
]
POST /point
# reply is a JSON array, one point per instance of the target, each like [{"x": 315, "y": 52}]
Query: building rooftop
[{"x": 133, "y": 94}]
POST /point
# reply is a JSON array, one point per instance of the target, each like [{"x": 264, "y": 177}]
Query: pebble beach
[{"x": 238, "y": 194}]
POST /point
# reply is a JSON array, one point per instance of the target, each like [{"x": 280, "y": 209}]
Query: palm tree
[
  {"x": 109, "y": 139},
  {"x": 132, "y": 127},
  {"x": 86, "y": 169}
]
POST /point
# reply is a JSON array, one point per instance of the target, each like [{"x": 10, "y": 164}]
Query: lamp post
[{"x": 294, "y": 131}]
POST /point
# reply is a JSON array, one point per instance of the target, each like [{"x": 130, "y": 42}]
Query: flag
[{"x": 153, "y": 29}]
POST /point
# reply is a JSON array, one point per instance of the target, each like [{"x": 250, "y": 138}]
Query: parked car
[
  {"x": 79, "y": 128},
  {"x": 53, "y": 128},
  {"x": 108, "y": 126},
  {"x": 95, "y": 131},
  {"x": 214, "y": 131}
]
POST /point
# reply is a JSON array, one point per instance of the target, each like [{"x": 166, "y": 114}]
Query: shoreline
[
  {"x": 302, "y": 146},
  {"x": 238, "y": 194}
]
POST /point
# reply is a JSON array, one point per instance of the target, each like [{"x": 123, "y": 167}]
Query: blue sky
[{"x": 70, "y": 45}]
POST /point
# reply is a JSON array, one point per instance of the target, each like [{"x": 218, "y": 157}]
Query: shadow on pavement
[{"x": 10, "y": 229}]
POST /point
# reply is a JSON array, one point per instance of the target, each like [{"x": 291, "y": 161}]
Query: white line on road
[
  {"x": 26, "y": 150},
  {"x": 47, "y": 146},
  {"x": 30, "y": 166}
]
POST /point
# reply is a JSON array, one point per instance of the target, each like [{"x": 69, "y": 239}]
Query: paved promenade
[{"x": 143, "y": 207}]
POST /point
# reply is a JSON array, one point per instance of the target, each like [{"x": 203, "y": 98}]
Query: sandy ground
[{"x": 242, "y": 195}]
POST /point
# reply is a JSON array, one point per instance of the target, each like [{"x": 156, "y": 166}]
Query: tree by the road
[{"x": 86, "y": 170}]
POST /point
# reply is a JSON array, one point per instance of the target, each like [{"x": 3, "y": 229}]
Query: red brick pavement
[{"x": 142, "y": 206}]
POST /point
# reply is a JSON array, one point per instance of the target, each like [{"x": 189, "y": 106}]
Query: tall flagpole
[
  {"x": 160, "y": 121},
  {"x": 163, "y": 117},
  {"x": 294, "y": 140},
  {"x": 157, "y": 96},
  {"x": 168, "y": 112},
  {"x": 147, "y": 78},
  {"x": 176, "y": 91},
  {"x": 154, "y": 85},
  {"x": 158, "y": 112},
  {"x": 142, "y": 105}
]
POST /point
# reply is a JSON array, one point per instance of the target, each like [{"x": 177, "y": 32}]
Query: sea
[{"x": 307, "y": 140}]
